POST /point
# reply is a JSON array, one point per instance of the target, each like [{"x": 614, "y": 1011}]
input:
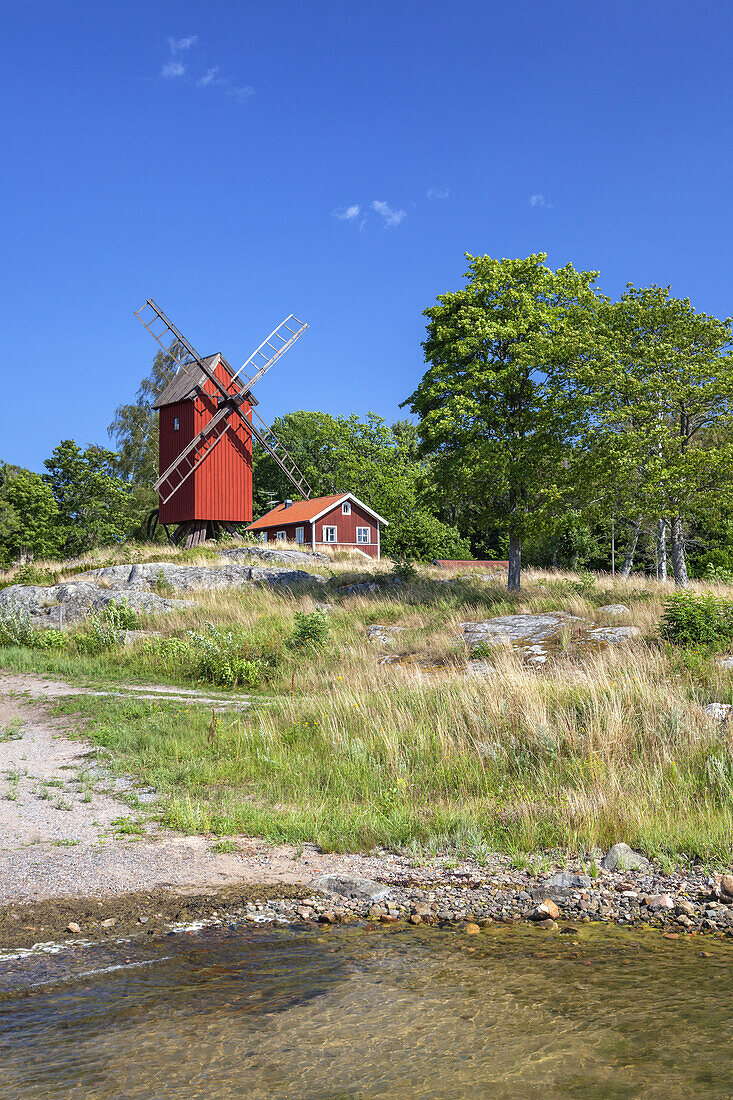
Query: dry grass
[{"x": 602, "y": 743}]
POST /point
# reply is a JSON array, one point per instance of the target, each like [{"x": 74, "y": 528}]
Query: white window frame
[
  {"x": 346, "y": 508},
  {"x": 326, "y": 538},
  {"x": 281, "y": 536},
  {"x": 300, "y": 534},
  {"x": 263, "y": 536},
  {"x": 367, "y": 531},
  {"x": 176, "y": 424}
]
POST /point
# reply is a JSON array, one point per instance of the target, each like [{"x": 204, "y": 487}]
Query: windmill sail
[{"x": 174, "y": 343}]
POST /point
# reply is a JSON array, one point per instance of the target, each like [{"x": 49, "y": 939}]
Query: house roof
[
  {"x": 185, "y": 383},
  {"x": 306, "y": 511}
]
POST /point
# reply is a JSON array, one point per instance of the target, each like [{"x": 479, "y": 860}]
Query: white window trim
[
  {"x": 346, "y": 508},
  {"x": 281, "y": 536},
  {"x": 329, "y": 527},
  {"x": 300, "y": 534},
  {"x": 364, "y": 541}
]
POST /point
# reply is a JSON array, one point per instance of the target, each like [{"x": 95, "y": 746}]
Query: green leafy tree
[
  {"x": 29, "y": 516},
  {"x": 659, "y": 415},
  {"x": 422, "y": 537},
  {"x": 135, "y": 432},
  {"x": 93, "y": 502},
  {"x": 495, "y": 418}
]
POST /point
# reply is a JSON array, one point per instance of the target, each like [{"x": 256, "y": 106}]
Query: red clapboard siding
[
  {"x": 221, "y": 487},
  {"x": 346, "y": 529}
]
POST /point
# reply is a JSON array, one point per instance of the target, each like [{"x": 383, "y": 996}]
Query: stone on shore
[
  {"x": 546, "y": 910},
  {"x": 563, "y": 880},
  {"x": 719, "y": 712},
  {"x": 350, "y": 886},
  {"x": 623, "y": 858}
]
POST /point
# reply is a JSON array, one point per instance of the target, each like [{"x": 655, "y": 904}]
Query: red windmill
[{"x": 206, "y": 426}]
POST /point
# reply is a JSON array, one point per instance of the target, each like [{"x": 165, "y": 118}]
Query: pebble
[{"x": 73, "y": 927}]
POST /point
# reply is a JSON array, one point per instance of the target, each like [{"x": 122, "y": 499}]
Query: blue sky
[{"x": 239, "y": 161}]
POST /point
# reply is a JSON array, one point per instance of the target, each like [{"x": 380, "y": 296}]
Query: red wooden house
[
  {"x": 341, "y": 522},
  {"x": 219, "y": 491}
]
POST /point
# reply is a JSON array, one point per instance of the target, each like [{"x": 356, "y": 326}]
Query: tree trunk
[
  {"x": 662, "y": 550},
  {"x": 554, "y": 558},
  {"x": 677, "y": 541},
  {"x": 628, "y": 565},
  {"x": 515, "y": 563}
]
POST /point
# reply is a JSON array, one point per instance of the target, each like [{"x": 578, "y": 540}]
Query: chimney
[{"x": 288, "y": 503}]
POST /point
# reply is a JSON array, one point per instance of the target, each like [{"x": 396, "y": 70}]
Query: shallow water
[{"x": 347, "y": 1013}]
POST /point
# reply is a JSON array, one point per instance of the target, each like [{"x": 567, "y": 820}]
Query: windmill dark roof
[{"x": 184, "y": 385}]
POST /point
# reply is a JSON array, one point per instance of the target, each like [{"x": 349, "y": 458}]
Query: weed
[
  {"x": 125, "y": 826},
  {"x": 62, "y": 804},
  {"x": 697, "y": 618},
  {"x": 311, "y": 629},
  {"x": 223, "y": 846}
]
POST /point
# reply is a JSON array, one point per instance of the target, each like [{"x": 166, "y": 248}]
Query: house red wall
[
  {"x": 346, "y": 529},
  {"x": 221, "y": 487}
]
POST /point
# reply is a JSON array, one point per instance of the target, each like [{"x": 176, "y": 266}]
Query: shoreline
[{"x": 464, "y": 897}]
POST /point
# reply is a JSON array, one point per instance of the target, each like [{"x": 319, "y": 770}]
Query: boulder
[
  {"x": 266, "y": 553},
  {"x": 535, "y": 628},
  {"x": 564, "y": 880},
  {"x": 615, "y": 609},
  {"x": 546, "y": 910},
  {"x": 726, "y": 662},
  {"x": 613, "y": 634},
  {"x": 364, "y": 588},
  {"x": 622, "y": 858},
  {"x": 350, "y": 886},
  {"x": 719, "y": 712}
]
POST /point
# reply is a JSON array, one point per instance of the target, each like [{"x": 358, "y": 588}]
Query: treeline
[{"x": 553, "y": 426}]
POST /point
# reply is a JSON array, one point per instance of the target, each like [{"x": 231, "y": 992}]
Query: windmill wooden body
[{"x": 207, "y": 423}]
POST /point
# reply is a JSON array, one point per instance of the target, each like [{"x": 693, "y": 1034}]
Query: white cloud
[
  {"x": 538, "y": 200},
  {"x": 178, "y": 44},
  {"x": 348, "y": 213},
  {"x": 242, "y": 93},
  {"x": 209, "y": 77},
  {"x": 438, "y": 193},
  {"x": 173, "y": 68},
  {"x": 391, "y": 217}
]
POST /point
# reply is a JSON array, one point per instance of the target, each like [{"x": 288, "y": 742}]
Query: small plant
[
  {"x": 120, "y": 615},
  {"x": 13, "y": 731},
  {"x": 31, "y": 574},
  {"x": 311, "y": 629},
  {"x": 125, "y": 826},
  {"x": 162, "y": 585},
  {"x": 697, "y": 618},
  {"x": 223, "y": 846},
  {"x": 62, "y": 804},
  {"x": 98, "y": 635},
  {"x": 404, "y": 570}
]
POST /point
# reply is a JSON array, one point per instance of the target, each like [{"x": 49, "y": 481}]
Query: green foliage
[
  {"x": 120, "y": 615},
  {"x": 98, "y": 635},
  {"x": 16, "y": 629},
  {"x": 311, "y": 629},
  {"x": 93, "y": 503},
  {"x": 31, "y": 574},
  {"x": 162, "y": 586},
  {"x": 716, "y": 574},
  {"x": 220, "y": 656},
  {"x": 419, "y": 536},
  {"x": 29, "y": 516},
  {"x": 494, "y": 414},
  {"x": 692, "y": 618}
]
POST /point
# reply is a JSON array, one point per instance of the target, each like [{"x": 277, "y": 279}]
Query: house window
[
  {"x": 176, "y": 425},
  {"x": 281, "y": 536},
  {"x": 363, "y": 534},
  {"x": 330, "y": 534},
  {"x": 346, "y": 508},
  {"x": 300, "y": 534},
  {"x": 263, "y": 536}
]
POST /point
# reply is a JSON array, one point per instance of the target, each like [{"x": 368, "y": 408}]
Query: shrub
[
  {"x": 120, "y": 615},
  {"x": 422, "y": 537},
  {"x": 692, "y": 618},
  {"x": 97, "y": 635},
  {"x": 717, "y": 574},
  {"x": 311, "y": 629},
  {"x": 31, "y": 574},
  {"x": 16, "y": 628},
  {"x": 223, "y": 658}
]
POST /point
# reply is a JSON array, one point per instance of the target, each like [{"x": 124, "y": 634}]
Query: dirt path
[
  {"x": 61, "y": 813},
  {"x": 41, "y": 687}
]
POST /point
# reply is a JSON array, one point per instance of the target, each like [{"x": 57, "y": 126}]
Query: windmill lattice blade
[
  {"x": 172, "y": 340},
  {"x": 265, "y": 435},
  {"x": 270, "y": 350},
  {"x": 191, "y": 457}
]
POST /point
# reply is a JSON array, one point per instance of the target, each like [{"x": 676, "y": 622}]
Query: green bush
[
  {"x": 120, "y": 615},
  {"x": 422, "y": 537},
  {"x": 223, "y": 657},
  {"x": 31, "y": 574},
  {"x": 16, "y": 628},
  {"x": 692, "y": 618},
  {"x": 311, "y": 629},
  {"x": 97, "y": 635},
  {"x": 717, "y": 574}
]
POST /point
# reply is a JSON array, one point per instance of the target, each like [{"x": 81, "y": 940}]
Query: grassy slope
[{"x": 600, "y": 746}]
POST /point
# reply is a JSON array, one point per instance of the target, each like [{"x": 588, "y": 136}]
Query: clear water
[{"x": 345, "y": 1013}]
